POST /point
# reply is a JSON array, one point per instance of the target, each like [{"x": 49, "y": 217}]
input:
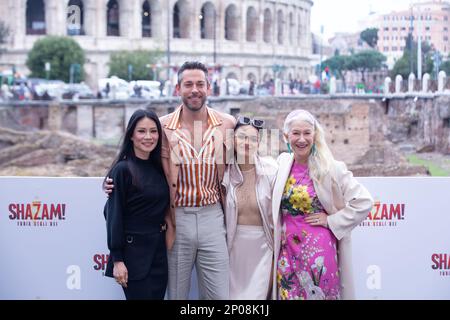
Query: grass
[{"x": 434, "y": 169}]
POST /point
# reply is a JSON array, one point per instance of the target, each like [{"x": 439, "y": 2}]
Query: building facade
[
  {"x": 249, "y": 39},
  {"x": 347, "y": 43},
  {"x": 428, "y": 19}
]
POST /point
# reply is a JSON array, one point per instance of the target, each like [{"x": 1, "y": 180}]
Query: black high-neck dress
[{"x": 135, "y": 227}]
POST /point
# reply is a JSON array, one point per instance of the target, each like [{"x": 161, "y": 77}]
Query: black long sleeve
[
  {"x": 135, "y": 205},
  {"x": 115, "y": 208}
]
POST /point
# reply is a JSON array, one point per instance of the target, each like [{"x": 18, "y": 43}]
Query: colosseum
[{"x": 241, "y": 39}]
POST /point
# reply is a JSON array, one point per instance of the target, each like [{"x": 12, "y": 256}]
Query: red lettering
[
  {"x": 20, "y": 211},
  {"x": 37, "y": 205},
  {"x": 100, "y": 261},
  {"x": 28, "y": 214},
  {"x": 45, "y": 212},
  {"x": 441, "y": 261},
  {"x": 434, "y": 258},
  {"x": 12, "y": 208},
  {"x": 384, "y": 213},
  {"x": 376, "y": 207},
  {"x": 55, "y": 211},
  {"x": 395, "y": 211}
]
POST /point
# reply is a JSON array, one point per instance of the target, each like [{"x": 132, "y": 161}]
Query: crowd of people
[{"x": 191, "y": 189}]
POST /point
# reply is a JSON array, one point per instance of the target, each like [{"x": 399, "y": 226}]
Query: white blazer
[{"x": 347, "y": 203}]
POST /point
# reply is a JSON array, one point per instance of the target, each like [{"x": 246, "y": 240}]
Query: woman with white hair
[{"x": 316, "y": 204}]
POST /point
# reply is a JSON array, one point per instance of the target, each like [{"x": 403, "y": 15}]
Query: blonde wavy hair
[{"x": 320, "y": 160}]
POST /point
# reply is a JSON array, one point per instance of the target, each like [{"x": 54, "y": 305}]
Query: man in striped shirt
[{"x": 197, "y": 143}]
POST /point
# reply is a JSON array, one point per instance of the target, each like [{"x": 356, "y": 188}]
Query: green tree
[
  {"x": 403, "y": 65},
  {"x": 445, "y": 66},
  {"x": 368, "y": 60},
  {"x": 339, "y": 65},
  {"x": 61, "y": 53},
  {"x": 370, "y": 36},
  {"x": 140, "y": 61}
]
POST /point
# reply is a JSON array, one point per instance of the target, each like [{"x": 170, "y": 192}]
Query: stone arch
[
  {"x": 35, "y": 17},
  {"x": 252, "y": 24},
  {"x": 267, "y": 28},
  {"x": 181, "y": 20},
  {"x": 151, "y": 18},
  {"x": 75, "y": 18},
  {"x": 280, "y": 26},
  {"x": 291, "y": 28},
  {"x": 207, "y": 21},
  {"x": 112, "y": 18},
  {"x": 231, "y": 23}
]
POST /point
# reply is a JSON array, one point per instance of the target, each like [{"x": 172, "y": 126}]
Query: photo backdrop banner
[{"x": 53, "y": 240}]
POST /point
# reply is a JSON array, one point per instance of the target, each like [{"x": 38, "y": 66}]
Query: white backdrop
[{"x": 53, "y": 240}]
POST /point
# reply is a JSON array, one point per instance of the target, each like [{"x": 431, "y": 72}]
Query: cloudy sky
[{"x": 343, "y": 15}]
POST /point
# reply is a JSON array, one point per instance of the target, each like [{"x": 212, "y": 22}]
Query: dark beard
[{"x": 189, "y": 106}]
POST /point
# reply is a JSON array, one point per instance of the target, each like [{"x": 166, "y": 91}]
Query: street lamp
[
  {"x": 149, "y": 67},
  {"x": 214, "y": 38},
  {"x": 411, "y": 44},
  {"x": 48, "y": 67},
  {"x": 321, "y": 52},
  {"x": 419, "y": 44},
  {"x": 130, "y": 72},
  {"x": 168, "y": 39}
]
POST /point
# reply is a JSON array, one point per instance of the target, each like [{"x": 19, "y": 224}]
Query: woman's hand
[
  {"x": 120, "y": 273},
  {"x": 317, "y": 219},
  {"x": 108, "y": 186}
]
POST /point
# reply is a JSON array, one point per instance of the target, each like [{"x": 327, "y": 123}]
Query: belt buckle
[{"x": 163, "y": 227}]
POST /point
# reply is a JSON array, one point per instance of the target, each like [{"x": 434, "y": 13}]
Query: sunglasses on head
[{"x": 257, "y": 123}]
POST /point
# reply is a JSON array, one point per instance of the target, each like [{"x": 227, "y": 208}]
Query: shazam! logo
[
  {"x": 385, "y": 215},
  {"x": 37, "y": 214},
  {"x": 441, "y": 263}
]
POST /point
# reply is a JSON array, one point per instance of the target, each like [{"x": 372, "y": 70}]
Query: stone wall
[{"x": 359, "y": 129}]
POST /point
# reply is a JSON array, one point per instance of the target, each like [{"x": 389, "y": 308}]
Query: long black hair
[{"x": 126, "y": 150}]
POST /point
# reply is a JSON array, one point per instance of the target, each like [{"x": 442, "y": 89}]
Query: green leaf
[{"x": 61, "y": 52}]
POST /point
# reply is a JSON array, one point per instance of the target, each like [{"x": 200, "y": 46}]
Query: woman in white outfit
[{"x": 248, "y": 183}]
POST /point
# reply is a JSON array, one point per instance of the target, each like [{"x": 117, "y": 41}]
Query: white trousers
[{"x": 200, "y": 240}]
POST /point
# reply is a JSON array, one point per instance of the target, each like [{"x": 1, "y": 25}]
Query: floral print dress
[{"x": 307, "y": 264}]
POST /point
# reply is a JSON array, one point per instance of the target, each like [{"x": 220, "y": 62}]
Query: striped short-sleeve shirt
[{"x": 197, "y": 183}]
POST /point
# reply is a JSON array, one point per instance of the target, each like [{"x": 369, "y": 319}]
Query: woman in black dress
[{"x": 135, "y": 211}]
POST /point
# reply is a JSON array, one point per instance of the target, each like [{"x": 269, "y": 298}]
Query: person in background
[
  {"x": 135, "y": 211},
  {"x": 316, "y": 204}
]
